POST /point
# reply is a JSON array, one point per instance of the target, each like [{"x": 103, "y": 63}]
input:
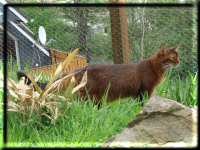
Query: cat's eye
[{"x": 172, "y": 56}]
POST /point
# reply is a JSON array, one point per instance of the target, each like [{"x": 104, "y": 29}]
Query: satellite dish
[{"x": 42, "y": 35}]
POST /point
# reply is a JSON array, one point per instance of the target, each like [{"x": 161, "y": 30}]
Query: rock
[{"x": 162, "y": 123}]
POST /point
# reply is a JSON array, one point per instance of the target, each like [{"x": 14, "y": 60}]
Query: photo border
[{"x": 107, "y": 5}]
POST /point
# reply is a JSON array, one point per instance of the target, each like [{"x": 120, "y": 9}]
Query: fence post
[{"x": 119, "y": 29}]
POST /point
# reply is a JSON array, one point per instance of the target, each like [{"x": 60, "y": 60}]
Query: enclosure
[{"x": 104, "y": 35}]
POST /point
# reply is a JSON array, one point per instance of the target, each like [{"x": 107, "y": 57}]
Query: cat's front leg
[{"x": 150, "y": 92}]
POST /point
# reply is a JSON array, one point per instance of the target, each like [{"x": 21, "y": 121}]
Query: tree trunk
[{"x": 119, "y": 29}]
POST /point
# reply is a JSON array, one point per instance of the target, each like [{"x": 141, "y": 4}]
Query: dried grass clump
[{"x": 30, "y": 99}]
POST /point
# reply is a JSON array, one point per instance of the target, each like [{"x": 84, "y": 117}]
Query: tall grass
[
  {"x": 178, "y": 89},
  {"x": 81, "y": 124}
]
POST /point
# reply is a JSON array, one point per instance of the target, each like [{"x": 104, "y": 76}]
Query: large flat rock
[{"x": 162, "y": 123}]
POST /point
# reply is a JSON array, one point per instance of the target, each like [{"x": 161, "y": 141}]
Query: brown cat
[{"x": 124, "y": 80}]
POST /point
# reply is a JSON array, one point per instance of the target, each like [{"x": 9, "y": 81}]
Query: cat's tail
[{"x": 21, "y": 74}]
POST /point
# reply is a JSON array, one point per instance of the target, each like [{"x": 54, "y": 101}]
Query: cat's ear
[{"x": 175, "y": 48}]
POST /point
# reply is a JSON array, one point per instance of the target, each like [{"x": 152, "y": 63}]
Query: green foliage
[
  {"x": 165, "y": 26},
  {"x": 100, "y": 47},
  {"x": 80, "y": 123},
  {"x": 181, "y": 90}
]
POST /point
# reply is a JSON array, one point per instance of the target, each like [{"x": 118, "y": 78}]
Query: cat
[{"x": 125, "y": 80}]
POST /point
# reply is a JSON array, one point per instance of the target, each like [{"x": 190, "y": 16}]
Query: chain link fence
[{"x": 91, "y": 30}]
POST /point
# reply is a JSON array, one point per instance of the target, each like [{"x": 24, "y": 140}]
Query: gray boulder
[{"x": 162, "y": 123}]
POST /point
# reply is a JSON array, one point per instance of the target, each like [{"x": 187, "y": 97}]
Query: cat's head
[{"x": 168, "y": 57}]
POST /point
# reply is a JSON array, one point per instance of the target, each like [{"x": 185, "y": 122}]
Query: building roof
[
  {"x": 18, "y": 15},
  {"x": 19, "y": 29}
]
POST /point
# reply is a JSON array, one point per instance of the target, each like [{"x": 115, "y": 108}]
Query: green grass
[
  {"x": 182, "y": 90},
  {"x": 82, "y": 124}
]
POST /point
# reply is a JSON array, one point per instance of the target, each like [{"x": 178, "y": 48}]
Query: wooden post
[{"x": 119, "y": 29}]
